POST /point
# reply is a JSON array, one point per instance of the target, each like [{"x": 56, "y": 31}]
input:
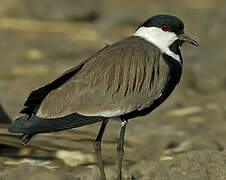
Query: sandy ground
[{"x": 183, "y": 139}]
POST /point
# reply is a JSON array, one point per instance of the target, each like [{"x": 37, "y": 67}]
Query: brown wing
[
  {"x": 37, "y": 96},
  {"x": 119, "y": 79}
]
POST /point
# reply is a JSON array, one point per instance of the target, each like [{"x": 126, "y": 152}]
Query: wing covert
[{"x": 122, "y": 78}]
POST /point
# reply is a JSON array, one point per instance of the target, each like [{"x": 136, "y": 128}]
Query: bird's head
[{"x": 163, "y": 31}]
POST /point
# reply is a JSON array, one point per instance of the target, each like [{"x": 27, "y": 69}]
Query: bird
[{"x": 123, "y": 80}]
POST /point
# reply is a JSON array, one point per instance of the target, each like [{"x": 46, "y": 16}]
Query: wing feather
[{"x": 116, "y": 81}]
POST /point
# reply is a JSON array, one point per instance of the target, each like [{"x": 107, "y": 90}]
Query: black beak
[{"x": 185, "y": 38}]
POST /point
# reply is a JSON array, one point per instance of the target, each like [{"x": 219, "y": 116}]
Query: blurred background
[{"x": 183, "y": 139}]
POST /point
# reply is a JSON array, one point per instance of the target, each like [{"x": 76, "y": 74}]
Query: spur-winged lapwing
[{"x": 127, "y": 79}]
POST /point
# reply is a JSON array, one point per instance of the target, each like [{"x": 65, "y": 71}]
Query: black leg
[
  {"x": 120, "y": 149},
  {"x": 97, "y": 149}
]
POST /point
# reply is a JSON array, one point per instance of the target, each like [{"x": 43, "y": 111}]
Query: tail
[{"x": 31, "y": 125}]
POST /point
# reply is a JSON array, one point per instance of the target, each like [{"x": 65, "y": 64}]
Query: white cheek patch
[{"x": 161, "y": 39}]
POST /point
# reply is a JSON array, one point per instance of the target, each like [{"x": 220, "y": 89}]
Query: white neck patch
[{"x": 161, "y": 39}]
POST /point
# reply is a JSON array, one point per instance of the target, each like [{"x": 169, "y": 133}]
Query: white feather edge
[{"x": 106, "y": 113}]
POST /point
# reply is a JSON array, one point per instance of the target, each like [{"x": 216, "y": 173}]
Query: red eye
[{"x": 164, "y": 27}]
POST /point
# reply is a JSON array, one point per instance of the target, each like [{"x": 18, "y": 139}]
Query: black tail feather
[
  {"x": 31, "y": 125},
  {"x": 25, "y": 138}
]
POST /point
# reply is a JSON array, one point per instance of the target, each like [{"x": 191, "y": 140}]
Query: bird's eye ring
[{"x": 164, "y": 27}]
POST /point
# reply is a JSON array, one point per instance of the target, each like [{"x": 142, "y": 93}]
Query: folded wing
[{"x": 119, "y": 79}]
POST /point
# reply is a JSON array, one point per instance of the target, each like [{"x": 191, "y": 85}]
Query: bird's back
[{"x": 124, "y": 77}]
